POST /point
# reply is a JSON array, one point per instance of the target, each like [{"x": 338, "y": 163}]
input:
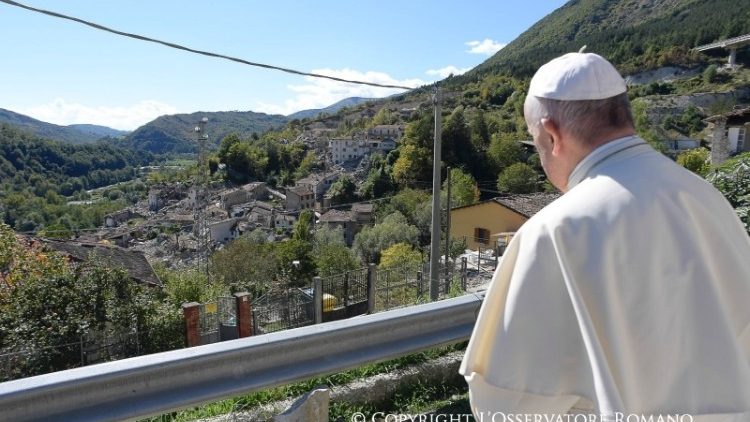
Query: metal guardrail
[{"x": 154, "y": 384}]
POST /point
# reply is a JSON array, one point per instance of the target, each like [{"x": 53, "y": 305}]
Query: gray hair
[{"x": 586, "y": 120}]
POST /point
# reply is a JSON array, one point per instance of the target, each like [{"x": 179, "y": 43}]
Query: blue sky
[{"x": 63, "y": 72}]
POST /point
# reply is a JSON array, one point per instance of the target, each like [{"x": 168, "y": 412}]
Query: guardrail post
[
  {"x": 244, "y": 314},
  {"x": 371, "y": 280},
  {"x": 191, "y": 313},
  {"x": 318, "y": 299}
]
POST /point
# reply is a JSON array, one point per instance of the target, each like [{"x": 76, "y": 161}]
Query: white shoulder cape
[{"x": 620, "y": 305}]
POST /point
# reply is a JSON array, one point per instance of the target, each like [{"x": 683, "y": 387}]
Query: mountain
[
  {"x": 48, "y": 130},
  {"x": 176, "y": 133},
  {"x": 636, "y": 35},
  {"x": 331, "y": 109},
  {"x": 99, "y": 131}
]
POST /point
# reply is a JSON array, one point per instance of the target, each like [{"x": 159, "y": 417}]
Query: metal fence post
[
  {"x": 371, "y": 280},
  {"x": 448, "y": 274},
  {"x": 318, "y": 299},
  {"x": 346, "y": 289},
  {"x": 479, "y": 259},
  {"x": 83, "y": 361},
  {"x": 419, "y": 283},
  {"x": 137, "y": 341},
  {"x": 388, "y": 289},
  {"x": 464, "y": 276}
]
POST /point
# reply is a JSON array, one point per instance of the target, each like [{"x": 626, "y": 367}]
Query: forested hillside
[
  {"x": 636, "y": 35},
  {"x": 483, "y": 109},
  {"x": 176, "y": 133},
  {"x": 75, "y": 135},
  {"x": 38, "y": 173}
]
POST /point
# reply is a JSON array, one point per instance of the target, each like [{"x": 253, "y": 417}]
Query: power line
[{"x": 201, "y": 52}]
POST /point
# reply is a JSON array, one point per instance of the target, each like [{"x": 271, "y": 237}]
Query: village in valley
[{"x": 178, "y": 222}]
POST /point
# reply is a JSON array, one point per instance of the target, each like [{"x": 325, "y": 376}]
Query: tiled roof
[
  {"x": 363, "y": 207},
  {"x": 133, "y": 262},
  {"x": 527, "y": 204},
  {"x": 333, "y": 216},
  {"x": 300, "y": 190}
]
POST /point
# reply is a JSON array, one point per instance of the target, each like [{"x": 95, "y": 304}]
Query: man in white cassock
[{"x": 628, "y": 295}]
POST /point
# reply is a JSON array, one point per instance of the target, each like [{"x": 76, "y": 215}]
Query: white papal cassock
[{"x": 629, "y": 294}]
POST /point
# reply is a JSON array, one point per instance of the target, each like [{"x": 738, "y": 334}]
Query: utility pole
[
  {"x": 435, "y": 240},
  {"x": 448, "y": 223},
  {"x": 202, "y": 193}
]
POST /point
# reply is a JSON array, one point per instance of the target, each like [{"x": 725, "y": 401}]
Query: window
[
  {"x": 481, "y": 235},
  {"x": 741, "y": 139}
]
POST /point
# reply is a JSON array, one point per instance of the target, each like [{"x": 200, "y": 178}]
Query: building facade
[{"x": 484, "y": 223}]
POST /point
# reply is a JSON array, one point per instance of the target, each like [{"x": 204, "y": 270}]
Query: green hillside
[
  {"x": 69, "y": 134},
  {"x": 175, "y": 133},
  {"x": 41, "y": 165},
  {"x": 636, "y": 35},
  {"x": 36, "y": 175}
]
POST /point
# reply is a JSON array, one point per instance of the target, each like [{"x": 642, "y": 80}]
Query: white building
[
  {"x": 386, "y": 131},
  {"x": 344, "y": 149},
  {"x": 224, "y": 231},
  {"x": 348, "y": 149}
]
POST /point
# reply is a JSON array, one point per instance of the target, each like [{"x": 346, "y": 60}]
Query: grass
[
  {"x": 251, "y": 400},
  {"x": 415, "y": 399}
]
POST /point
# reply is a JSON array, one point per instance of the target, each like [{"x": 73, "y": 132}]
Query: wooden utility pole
[{"x": 435, "y": 241}]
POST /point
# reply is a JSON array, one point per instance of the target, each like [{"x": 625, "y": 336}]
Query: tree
[
  {"x": 732, "y": 179},
  {"x": 343, "y": 191},
  {"x": 189, "y": 285},
  {"x": 303, "y": 227},
  {"x": 295, "y": 265},
  {"x": 710, "y": 75},
  {"x": 371, "y": 241},
  {"x": 383, "y": 117},
  {"x": 306, "y": 165},
  {"x": 518, "y": 178},
  {"x": 245, "y": 266},
  {"x": 479, "y": 130},
  {"x": 259, "y": 236},
  {"x": 457, "y": 146},
  {"x": 335, "y": 259},
  {"x": 413, "y": 164},
  {"x": 400, "y": 255},
  {"x": 327, "y": 235},
  {"x": 245, "y": 162},
  {"x": 464, "y": 190},
  {"x": 56, "y": 308},
  {"x": 504, "y": 152},
  {"x": 695, "y": 160},
  {"x": 226, "y": 143}
]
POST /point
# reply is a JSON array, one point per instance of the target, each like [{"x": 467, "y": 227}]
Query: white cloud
[
  {"x": 487, "y": 47},
  {"x": 319, "y": 93},
  {"x": 130, "y": 117},
  {"x": 444, "y": 72}
]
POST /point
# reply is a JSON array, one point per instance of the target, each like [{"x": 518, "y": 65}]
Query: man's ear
[{"x": 551, "y": 127}]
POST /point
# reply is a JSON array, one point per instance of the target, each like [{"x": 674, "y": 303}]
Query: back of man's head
[{"x": 583, "y": 94}]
